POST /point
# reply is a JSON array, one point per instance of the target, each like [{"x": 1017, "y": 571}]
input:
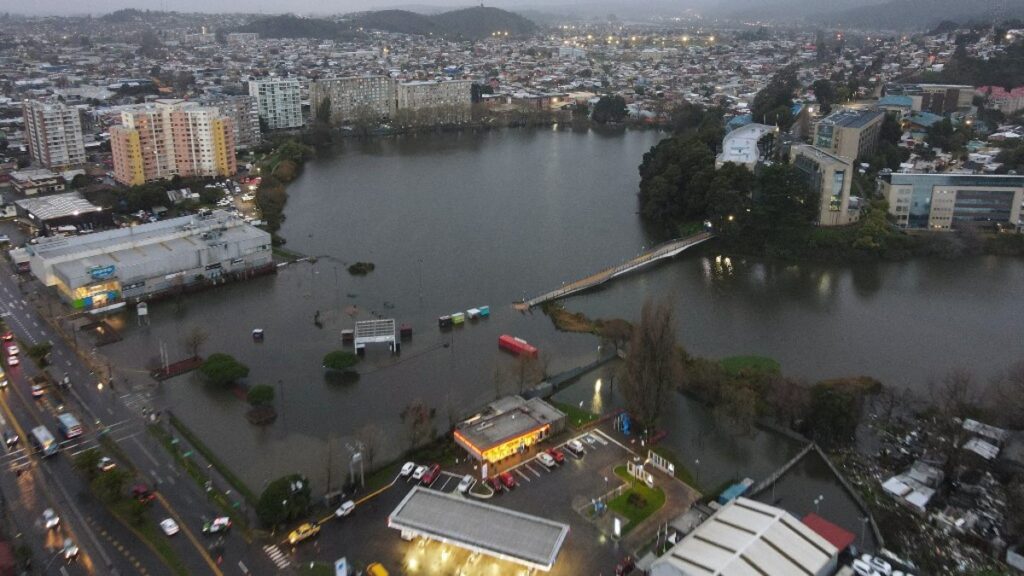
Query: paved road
[{"x": 120, "y": 410}]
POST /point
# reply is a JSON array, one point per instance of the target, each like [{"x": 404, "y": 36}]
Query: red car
[
  {"x": 495, "y": 484},
  {"x": 625, "y": 567},
  {"x": 7, "y": 336},
  {"x": 431, "y": 475},
  {"x": 556, "y": 454},
  {"x": 508, "y": 480}
]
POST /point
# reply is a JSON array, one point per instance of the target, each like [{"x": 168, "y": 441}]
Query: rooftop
[
  {"x": 57, "y": 206},
  {"x": 484, "y": 528},
  {"x": 848, "y": 118},
  {"x": 506, "y": 419}
]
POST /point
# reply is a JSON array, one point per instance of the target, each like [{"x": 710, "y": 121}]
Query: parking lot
[{"x": 558, "y": 493}]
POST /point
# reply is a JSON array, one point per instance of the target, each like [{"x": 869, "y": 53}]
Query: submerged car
[{"x": 217, "y": 525}]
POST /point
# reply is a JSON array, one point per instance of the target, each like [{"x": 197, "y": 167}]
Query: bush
[
  {"x": 285, "y": 499},
  {"x": 260, "y": 395},
  {"x": 361, "y": 268},
  {"x": 223, "y": 370},
  {"x": 340, "y": 360}
]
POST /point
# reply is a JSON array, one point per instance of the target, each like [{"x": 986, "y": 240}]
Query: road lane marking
[
  {"x": 520, "y": 472},
  {"x": 188, "y": 533}
]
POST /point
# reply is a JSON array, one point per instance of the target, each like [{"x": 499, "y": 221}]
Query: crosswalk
[
  {"x": 277, "y": 557},
  {"x": 18, "y": 456}
]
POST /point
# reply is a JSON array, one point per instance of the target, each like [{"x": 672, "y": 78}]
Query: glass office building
[{"x": 952, "y": 201}]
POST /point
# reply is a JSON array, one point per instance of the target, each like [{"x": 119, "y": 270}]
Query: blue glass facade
[{"x": 991, "y": 204}]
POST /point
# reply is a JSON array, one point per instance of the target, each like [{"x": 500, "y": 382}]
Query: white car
[
  {"x": 407, "y": 469},
  {"x": 590, "y": 440},
  {"x": 248, "y": 197},
  {"x": 862, "y": 568},
  {"x": 106, "y": 464},
  {"x": 345, "y": 509},
  {"x": 169, "y": 526},
  {"x": 575, "y": 446},
  {"x": 419, "y": 472},
  {"x": 50, "y": 519},
  {"x": 877, "y": 564},
  {"x": 546, "y": 459},
  {"x": 70, "y": 549},
  {"x": 465, "y": 484}
]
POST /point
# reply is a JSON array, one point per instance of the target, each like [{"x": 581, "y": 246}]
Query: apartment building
[
  {"x": 172, "y": 137},
  {"x": 831, "y": 177},
  {"x": 954, "y": 201},
  {"x": 244, "y": 115},
  {"x": 352, "y": 96},
  {"x": 53, "y": 132},
  {"x": 278, "y": 101},
  {"x": 849, "y": 133},
  {"x": 447, "y": 101}
]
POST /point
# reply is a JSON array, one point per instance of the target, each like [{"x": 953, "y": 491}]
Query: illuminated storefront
[{"x": 508, "y": 427}]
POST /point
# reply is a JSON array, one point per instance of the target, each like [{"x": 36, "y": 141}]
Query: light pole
[
  {"x": 817, "y": 503},
  {"x": 696, "y": 463},
  {"x": 863, "y": 530}
]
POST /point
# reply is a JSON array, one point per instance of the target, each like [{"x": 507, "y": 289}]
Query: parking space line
[
  {"x": 530, "y": 468},
  {"x": 524, "y": 477}
]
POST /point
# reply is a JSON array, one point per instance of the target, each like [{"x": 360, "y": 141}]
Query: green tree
[
  {"x": 653, "y": 367},
  {"x": 825, "y": 94},
  {"x": 833, "y": 414},
  {"x": 110, "y": 485},
  {"x": 340, "y": 360},
  {"x": 260, "y": 395},
  {"x": 609, "y": 109},
  {"x": 773, "y": 103},
  {"x": 222, "y": 369},
  {"x": 285, "y": 499},
  {"x": 88, "y": 463},
  {"x": 784, "y": 212},
  {"x": 323, "y": 111}
]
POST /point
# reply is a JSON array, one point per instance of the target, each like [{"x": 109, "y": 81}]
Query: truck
[
  {"x": 44, "y": 441},
  {"x": 68, "y": 425}
]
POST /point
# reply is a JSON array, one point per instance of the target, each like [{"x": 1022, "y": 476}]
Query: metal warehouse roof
[
  {"x": 484, "y": 528},
  {"x": 57, "y": 206},
  {"x": 748, "y": 537}
]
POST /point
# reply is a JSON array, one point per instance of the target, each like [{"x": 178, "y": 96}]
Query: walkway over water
[{"x": 659, "y": 252}]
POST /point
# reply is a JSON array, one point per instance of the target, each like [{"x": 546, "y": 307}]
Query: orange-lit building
[{"x": 507, "y": 427}]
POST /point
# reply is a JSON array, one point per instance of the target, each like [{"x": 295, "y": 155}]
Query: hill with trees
[{"x": 468, "y": 23}]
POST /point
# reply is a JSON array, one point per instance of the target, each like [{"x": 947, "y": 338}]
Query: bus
[
  {"x": 44, "y": 441},
  {"x": 68, "y": 425}
]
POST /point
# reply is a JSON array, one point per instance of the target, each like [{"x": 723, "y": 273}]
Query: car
[
  {"x": 38, "y": 391},
  {"x": 556, "y": 454},
  {"x": 217, "y": 525},
  {"x": 862, "y": 568},
  {"x": 419, "y": 472},
  {"x": 431, "y": 475},
  {"x": 546, "y": 459},
  {"x": 10, "y": 438},
  {"x": 877, "y": 564},
  {"x": 466, "y": 483},
  {"x": 106, "y": 464},
  {"x": 13, "y": 361},
  {"x": 508, "y": 480},
  {"x": 625, "y": 567},
  {"x": 50, "y": 519},
  {"x": 590, "y": 440},
  {"x": 303, "y": 532},
  {"x": 7, "y": 336},
  {"x": 345, "y": 509},
  {"x": 142, "y": 493},
  {"x": 169, "y": 526},
  {"x": 376, "y": 569},
  {"x": 576, "y": 447},
  {"x": 407, "y": 469},
  {"x": 12, "y": 349},
  {"x": 495, "y": 483},
  {"x": 4, "y": 239},
  {"x": 69, "y": 550}
]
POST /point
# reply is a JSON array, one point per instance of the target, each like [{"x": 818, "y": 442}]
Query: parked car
[
  {"x": 169, "y": 526},
  {"x": 495, "y": 483},
  {"x": 877, "y": 564},
  {"x": 13, "y": 361},
  {"x": 590, "y": 440},
  {"x": 408, "y": 469},
  {"x": 466, "y": 483},
  {"x": 419, "y": 472},
  {"x": 546, "y": 459},
  {"x": 69, "y": 550},
  {"x": 508, "y": 480},
  {"x": 106, "y": 464},
  {"x": 10, "y": 438},
  {"x": 345, "y": 509},
  {"x": 12, "y": 349},
  {"x": 431, "y": 475},
  {"x": 576, "y": 447},
  {"x": 217, "y": 525},
  {"x": 38, "y": 390},
  {"x": 50, "y": 519},
  {"x": 556, "y": 454},
  {"x": 304, "y": 532},
  {"x": 7, "y": 336},
  {"x": 142, "y": 493},
  {"x": 625, "y": 567}
]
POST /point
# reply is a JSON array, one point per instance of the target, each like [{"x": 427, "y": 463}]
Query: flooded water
[{"x": 462, "y": 220}]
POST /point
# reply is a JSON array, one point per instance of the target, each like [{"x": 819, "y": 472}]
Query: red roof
[{"x": 834, "y": 534}]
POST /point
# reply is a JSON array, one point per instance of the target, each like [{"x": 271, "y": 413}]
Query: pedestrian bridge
[{"x": 659, "y": 252}]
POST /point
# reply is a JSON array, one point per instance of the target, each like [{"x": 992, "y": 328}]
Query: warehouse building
[
  {"x": 67, "y": 213},
  {"x": 102, "y": 271},
  {"x": 507, "y": 427},
  {"x": 748, "y": 537}
]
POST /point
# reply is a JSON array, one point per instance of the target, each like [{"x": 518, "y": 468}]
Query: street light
[{"x": 817, "y": 502}]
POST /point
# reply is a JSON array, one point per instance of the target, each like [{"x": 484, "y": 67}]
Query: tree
[
  {"x": 609, "y": 109},
  {"x": 109, "y": 486},
  {"x": 194, "y": 339},
  {"x": 737, "y": 407},
  {"x": 419, "y": 422},
  {"x": 787, "y": 399},
  {"x": 260, "y": 395},
  {"x": 340, "y": 360},
  {"x": 223, "y": 370},
  {"x": 833, "y": 414},
  {"x": 825, "y": 94},
  {"x": 773, "y": 103},
  {"x": 323, "y": 111},
  {"x": 653, "y": 366},
  {"x": 88, "y": 463},
  {"x": 371, "y": 439},
  {"x": 80, "y": 181},
  {"x": 285, "y": 499},
  {"x": 784, "y": 211}
]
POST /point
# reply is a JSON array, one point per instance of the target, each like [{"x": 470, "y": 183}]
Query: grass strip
[
  {"x": 576, "y": 416},
  {"x": 652, "y": 500},
  {"x": 147, "y": 532},
  {"x": 224, "y": 471}
]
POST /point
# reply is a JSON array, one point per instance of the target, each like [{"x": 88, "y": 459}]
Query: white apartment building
[
  {"x": 451, "y": 98},
  {"x": 53, "y": 132},
  {"x": 279, "y": 102},
  {"x": 352, "y": 96}
]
